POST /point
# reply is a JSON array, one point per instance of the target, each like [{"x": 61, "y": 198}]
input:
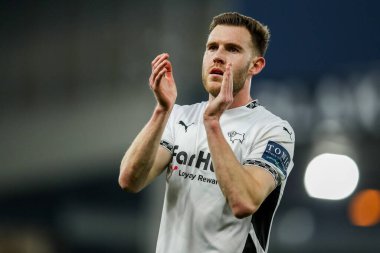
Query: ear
[{"x": 257, "y": 64}]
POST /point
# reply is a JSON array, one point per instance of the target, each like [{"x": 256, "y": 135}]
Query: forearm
[
  {"x": 235, "y": 182},
  {"x": 139, "y": 158}
]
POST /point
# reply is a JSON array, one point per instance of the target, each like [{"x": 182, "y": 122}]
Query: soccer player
[{"x": 226, "y": 159}]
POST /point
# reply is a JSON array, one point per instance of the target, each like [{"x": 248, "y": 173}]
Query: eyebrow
[
  {"x": 211, "y": 44},
  {"x": 227, "y": 45}
]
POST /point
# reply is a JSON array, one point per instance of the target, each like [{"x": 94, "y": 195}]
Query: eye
[
  {"x": 233, "y": 49},
  {"x": 212, "y": 47}
]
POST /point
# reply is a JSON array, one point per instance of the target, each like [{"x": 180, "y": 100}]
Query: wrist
[
  {"x": 163, "y": 109},
  {"x": 161, "y": 113},
  {"x": 211, "y": 122}
]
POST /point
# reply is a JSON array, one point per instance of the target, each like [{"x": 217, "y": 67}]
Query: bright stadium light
[{"x": 331, "y": 176}]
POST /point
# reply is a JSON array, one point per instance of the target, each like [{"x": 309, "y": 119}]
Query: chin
[
  {"x": 214, "y": 93},
  {"x": 213, "y": 88}
]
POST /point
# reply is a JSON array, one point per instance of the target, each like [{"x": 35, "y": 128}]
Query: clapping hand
[
  {"x": 220, "y": 103},
  {"x": 162, "y": 82}
]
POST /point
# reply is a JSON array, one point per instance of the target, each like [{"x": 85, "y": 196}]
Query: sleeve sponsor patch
[
  {"x": 277, "y": 155},
  {"x": 167, "y": 145}
]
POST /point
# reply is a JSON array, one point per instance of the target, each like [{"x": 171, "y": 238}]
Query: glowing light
[
  {"x": 364, "y": 209},
  {"x": 331, "y": 176}
]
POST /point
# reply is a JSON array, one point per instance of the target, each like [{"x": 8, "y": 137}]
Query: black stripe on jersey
[
  {"x": 262, "y": 219},
  {"x": 267, "y": 167},
  {"x": 167, "y": 145},
  {"x": 249, "y": 246}
]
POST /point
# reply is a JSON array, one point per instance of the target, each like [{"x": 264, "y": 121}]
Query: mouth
[{"x": 216, "y": 71}]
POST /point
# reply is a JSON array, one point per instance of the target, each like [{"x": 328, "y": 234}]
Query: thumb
[{"x": 169, "y": 70}]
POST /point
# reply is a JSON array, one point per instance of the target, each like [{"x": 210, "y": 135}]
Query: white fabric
[{"x": 196, "y": 216}]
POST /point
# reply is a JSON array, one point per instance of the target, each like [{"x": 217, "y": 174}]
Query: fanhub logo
[{"x": 201, "y": 161}]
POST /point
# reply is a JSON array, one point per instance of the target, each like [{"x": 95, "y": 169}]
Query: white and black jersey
[{"x": 196, "y": 216}]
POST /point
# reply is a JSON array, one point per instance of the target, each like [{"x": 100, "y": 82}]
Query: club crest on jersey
[
  {"x": 185, "y": 125},
  {"x": 235, "y": 136}
]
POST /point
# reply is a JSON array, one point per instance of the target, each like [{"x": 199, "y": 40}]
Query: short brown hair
[{"x": 259, "y": 33}]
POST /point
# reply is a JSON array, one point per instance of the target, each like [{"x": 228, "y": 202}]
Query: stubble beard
[{"x": 238, "y": 83}]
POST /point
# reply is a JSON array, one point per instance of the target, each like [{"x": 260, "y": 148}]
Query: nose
[{"x": 218, "y": 59}]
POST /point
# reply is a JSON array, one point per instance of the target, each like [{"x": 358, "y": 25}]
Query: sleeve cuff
[
  {"x": 167, "y": 145},
  {"x": 276, "y": 176}
]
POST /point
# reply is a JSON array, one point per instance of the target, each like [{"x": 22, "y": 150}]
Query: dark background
[{"x": 74, "y": 93}]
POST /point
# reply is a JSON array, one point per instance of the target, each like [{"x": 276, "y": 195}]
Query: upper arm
[
  {"x": 263, "y": 183},
  {"x": 273, "y": 152},
  {"x": 269, "y": 162}
]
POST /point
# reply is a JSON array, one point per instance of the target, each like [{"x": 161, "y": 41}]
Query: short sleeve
[
  {"x": 167, "y": 139},
  {"x": 273, "y": 151}
]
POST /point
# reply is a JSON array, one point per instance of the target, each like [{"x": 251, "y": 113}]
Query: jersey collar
[{"x": 253, "y": 104}]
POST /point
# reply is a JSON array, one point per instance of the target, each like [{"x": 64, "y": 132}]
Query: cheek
[
  {"x": 240, "y": 74},
  {"x": 206, "y": 58},
  {"x": 205, "y": 62}
]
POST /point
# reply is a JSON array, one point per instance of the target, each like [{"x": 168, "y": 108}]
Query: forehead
[{"x": 230, "y": 34}]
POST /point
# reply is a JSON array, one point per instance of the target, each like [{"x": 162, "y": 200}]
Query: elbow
[
  {"x": 128, "y": 186},
  {"x": 243, "y": 209},
  {"x": 127, "y": 183}
]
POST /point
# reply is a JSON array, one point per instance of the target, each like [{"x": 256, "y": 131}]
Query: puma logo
[
  {"x": 184, "y": 125},
  {"x": 288, "y": 132}
]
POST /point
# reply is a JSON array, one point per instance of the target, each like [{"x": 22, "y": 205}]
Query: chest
[
  {"x": 191, "y": 159},
  {"x": 191, "y": 145}
]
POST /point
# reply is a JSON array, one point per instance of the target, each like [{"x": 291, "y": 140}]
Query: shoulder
[
  {"x": 269, "y": 119},
  {"x": 192, "y": 107},
  {"x": 188, "y": 110},
  {"x": 269, "y": 123}
]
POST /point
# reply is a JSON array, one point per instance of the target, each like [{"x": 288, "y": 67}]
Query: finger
[
  {"x": 158, "y": 69},
  {"x": 169, "y": 69},
  {"x": 159, "y": 59},
  {"x": 157, "y": 81},
  {"x": 226, "y": 81},
  {"x": 159, "y": 65},
  {"x": 231, "y": 80}
]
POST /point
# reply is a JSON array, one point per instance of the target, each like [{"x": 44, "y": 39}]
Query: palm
[
  {"x": 218, "y": 105},
  {"x": 162, "y": 82},
  {"x": 166, "y": 92}
]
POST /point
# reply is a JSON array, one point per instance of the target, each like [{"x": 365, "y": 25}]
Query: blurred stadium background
[{"x": 74, "y": 92}]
